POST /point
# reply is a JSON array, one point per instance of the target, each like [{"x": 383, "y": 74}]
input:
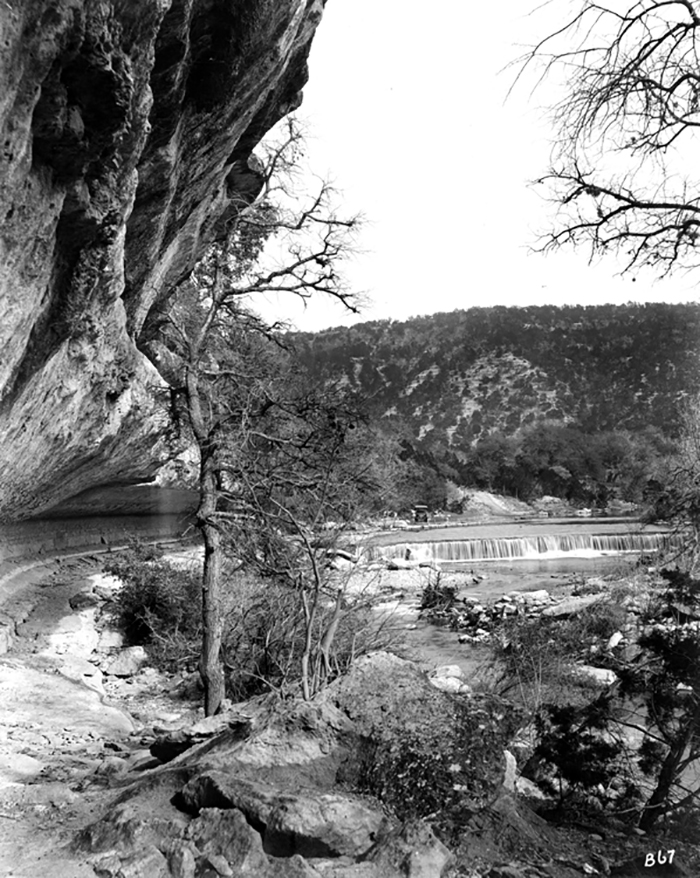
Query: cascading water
[{"x": 512, "y": 548}]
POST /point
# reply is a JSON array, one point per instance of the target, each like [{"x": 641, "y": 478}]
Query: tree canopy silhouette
[{"x": 626, "y": 128}]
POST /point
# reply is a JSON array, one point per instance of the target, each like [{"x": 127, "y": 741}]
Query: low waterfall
[{"x": 510, "y": 548}]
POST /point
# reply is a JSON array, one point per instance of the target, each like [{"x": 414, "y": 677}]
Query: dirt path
[{"x": 65, "y": 729}]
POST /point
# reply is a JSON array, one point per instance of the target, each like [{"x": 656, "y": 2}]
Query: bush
[
  {"x": 445, "y": 770},
  {"x": 571, "y": 742},
  {"x": 437, "y": 601},
  {"x": 684, "y": 824},
  {"x": 265, "y": 634},
  {"x": 160, "y": 604},
  {"x": 536, "y": 654}
]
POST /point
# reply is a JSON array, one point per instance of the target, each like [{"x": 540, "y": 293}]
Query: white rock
[
  {"x": 82, "y": 672},
  {"x": 448, "y": 671},
  {"x": 572, "y": 605},
  {"x": 527, "y": 788},
  {"x": 510, "y": 777},
  {"x": 451, "y": 684},
  {"x": 110, "y": 639},
  {"x": 18, "y": 768},
  {"x": 604, "y": 676},
  {"x": 127, "y": 662},
  {"x": 615, "y": 639},
  {"x": 534, "y": 596}
]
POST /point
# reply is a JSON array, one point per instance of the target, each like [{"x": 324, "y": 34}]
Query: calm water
[{"x": 600, "y": 565}]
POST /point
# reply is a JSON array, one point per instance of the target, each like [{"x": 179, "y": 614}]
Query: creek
[{"x": 493, "y": 559}]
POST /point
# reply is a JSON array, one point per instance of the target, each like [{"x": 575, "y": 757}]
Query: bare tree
[
  {"x": 284, "y": 242},
  {"x": 303, "y": 471},
  {"x": 626, "y": 126}
]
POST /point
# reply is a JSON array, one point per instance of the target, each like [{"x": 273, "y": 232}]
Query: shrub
[
  {"x": 445, "y": 770},
  {"x": 156, "y": 598},
  {"x": 684, "y": 824},
  {"x": 159, "y": 606},
  {"x": 265, "y": 633},
  {"x": 536, "y": 654},
  {"x": 437, "y": 600},
  {"x": 571, "y": 741}
]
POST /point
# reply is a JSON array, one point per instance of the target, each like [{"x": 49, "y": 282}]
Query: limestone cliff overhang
[{"x": 125, "y": 135}]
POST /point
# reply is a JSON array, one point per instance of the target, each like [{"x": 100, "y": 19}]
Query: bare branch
[{"x": 633, "y": 88}]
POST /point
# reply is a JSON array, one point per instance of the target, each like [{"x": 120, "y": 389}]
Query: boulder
[
  {"x": 571, "y": 606},
  {"x": 228, "y": 835},
  {"x": 110, "y": 639},
  {"x": 602, "y": 676},
  {"x": 312, "y": 824},
  {"x": 530, "y": 597},
  {"x": 451, "y": 684},
  {"x": 217, "y": 789},
  {"x": 511, "y": 772},
  {"x": 615, "y": 640},
  {"x": 148, "y": 861},
  {"x": 83, "y": 600},
  {"x": 111, "y": 765},
  {"x": 298, "y": 733},
  {"x": 19, "y": 768},
  {"x": 126, "y": 663},
  {"x": 384, "y": 692},
  {"x": 181, "y": 860},
  {"x": 127, "y": 828},
  {"x": 82, "y": 671},
  {"x": 322, "y": 825},
  {"x": 413, "y": 851},
  {"x": 528, "y": 789},
  {"x": 105, "y": 592},
  {"x": 447, "y": 671}
]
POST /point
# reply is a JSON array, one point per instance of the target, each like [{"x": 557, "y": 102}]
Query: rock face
[
  {"x": 262, "y": 802},
  {"x": 127, "y": 130}
]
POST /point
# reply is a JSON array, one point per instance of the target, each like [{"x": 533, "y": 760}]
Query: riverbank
[{"x": 63, "y": 762}]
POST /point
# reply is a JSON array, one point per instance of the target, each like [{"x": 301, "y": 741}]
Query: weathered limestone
[{"x": 126, "y": 135}]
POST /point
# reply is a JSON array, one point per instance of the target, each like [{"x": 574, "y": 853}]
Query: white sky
[{"x": 408, "y": 114}]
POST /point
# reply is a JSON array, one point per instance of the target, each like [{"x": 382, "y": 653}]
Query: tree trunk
[
  {"x": 210, "y": 665},
  {"x": 659, "y": 801}
]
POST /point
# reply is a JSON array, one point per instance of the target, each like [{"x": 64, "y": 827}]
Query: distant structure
[{"x": 420, "y": 514}]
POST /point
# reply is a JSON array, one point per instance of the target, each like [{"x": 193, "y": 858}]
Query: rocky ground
[{"x": 80, "y": 715}]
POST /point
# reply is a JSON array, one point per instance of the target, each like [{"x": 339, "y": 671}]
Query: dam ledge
[{"x": 504, "y": 543}]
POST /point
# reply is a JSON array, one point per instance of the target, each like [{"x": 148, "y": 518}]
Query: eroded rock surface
[
  {"x": 127, "y": 130},
  {"x": 282, "y": 816}
]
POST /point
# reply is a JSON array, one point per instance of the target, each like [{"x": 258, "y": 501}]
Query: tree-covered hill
[
  {"x": 451, "y": 384},
  {"x": 464, "y": 374}
]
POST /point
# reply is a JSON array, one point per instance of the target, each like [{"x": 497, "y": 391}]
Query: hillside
[
  {"x": 582, "y": 403},
  {"x": 455, "y": 377}
]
